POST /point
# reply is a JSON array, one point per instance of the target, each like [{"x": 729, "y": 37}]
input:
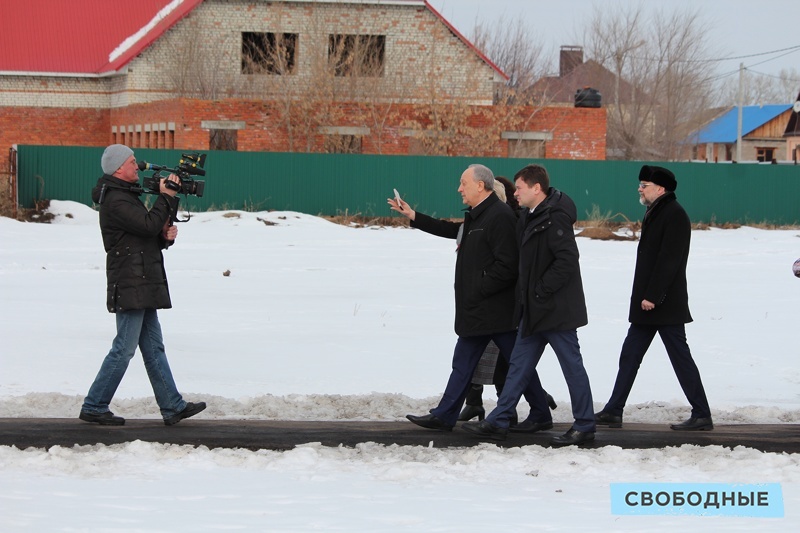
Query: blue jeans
[
  {"x": 141, "y": 328},
  {"x": 522, "y": 371}
]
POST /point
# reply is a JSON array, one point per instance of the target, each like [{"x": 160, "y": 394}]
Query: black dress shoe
[
  {"x": 529, "y": 426},
  {"x": 430, "y": 422},
  {"x": 471, "y": 411},
  {"x": 694, "y": 424},
  {"x": 485, "y": 429},
  {"x": 572, "y": 437},
  {"x": 191, "y": 409},
  {"x": 106, "y": 419},
  {"x": 607, "y": 419},
  {"x": 551, "y": 402}
]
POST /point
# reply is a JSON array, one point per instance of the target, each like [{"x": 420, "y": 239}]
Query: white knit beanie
[{"x": 113, "y": 158}]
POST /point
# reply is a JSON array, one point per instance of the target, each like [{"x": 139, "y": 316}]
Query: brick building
[{"x": 379, "y": 76}]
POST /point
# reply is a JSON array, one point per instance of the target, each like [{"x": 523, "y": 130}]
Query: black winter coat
[
  {"x": 550, "y": 290},
  {"x": 133, "y": 240},
  {"x": 486, "y": 266},
  {"x": 661, "y": 257}
]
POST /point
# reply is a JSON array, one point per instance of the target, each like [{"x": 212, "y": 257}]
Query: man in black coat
[
  {"x": 660, "y": 301},
  {"x": 550, "y": 306},
  {"x": 133, "y": 238},
  {"x": 486, "y": 271}
]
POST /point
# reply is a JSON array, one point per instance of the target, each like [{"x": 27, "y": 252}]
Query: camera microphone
[{"x": 144, "y": 165}]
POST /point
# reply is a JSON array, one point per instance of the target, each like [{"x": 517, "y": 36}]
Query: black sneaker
[
  {"x": 191, "y": 409},
  {"x": 105, "y": 419}
]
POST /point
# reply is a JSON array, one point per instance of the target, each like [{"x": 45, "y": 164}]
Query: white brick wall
[
  {"x": 423, "y": 59},
  {"x": 52, "y": 91}
]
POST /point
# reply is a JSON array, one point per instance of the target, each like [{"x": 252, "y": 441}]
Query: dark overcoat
[
  {"x": 486, "y": 265},
  {"x": 133, "y": 240},
  {"x": 661, "y": 257},
  {"x": 550, "y": 289}
]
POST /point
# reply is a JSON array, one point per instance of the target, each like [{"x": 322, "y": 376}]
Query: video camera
[{"x": 189, "y": 165}]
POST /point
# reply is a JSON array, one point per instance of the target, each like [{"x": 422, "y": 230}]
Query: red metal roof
[
  {"x": 95, "y": 37},
  {"x": 81, "y": 36}
]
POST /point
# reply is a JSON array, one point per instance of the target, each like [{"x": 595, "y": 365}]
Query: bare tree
[
  {"x": 512, "y": 47},
  {"x": 199, "y": 70},
  {"x": 449, "y": 123},
  {"x": 516, "y": 50},
  {"x": 683, "y": 89},
  {"x": 338, "y": 86},
  {"x": 613, "y": 37},
  {"x": 662, "y": 82},
  {"x": 324, "y": 89},
  {"x": 760, "y": 89},
  {"x": 788, "y": 83},
  {"x": 359, "y": 64}
]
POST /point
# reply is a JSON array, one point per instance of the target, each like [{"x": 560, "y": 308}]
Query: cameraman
[{"x": 133, "y": 238}]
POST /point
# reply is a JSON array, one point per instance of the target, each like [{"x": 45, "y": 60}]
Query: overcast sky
[{"x": 738, "y": 27}]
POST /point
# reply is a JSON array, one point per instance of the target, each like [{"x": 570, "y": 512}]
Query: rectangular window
[
  {"x": 526, "y": 148},
  {"x": 268, "y": 53},
  {"x": 765, "y": 155},
  {"x": 417, "y": 147},
  {"x": 357, "y": 55},
  {"x": 223, "y": 139},
  {"x": 342, "y": 144}
]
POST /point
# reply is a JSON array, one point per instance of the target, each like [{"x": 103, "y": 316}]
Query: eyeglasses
[{"x": 645, "y": 185}]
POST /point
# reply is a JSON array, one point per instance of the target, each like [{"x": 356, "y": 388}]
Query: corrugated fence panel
[{"x": 339, "y": 184}]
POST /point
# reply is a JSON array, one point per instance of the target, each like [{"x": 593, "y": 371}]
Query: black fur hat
[{"x": 659, "y": 176}]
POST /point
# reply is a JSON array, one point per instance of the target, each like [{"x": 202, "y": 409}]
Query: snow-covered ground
[{"x": 318, "y": 321}]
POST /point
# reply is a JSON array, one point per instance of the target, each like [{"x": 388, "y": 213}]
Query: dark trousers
[
  {"x": 522, "y": 378},
  {"x": 630, "y": 359},
  {"x": 466, "y": 355}
]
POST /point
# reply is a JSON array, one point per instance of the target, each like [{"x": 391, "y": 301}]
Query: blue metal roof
[{"x": 723, "y": 129}]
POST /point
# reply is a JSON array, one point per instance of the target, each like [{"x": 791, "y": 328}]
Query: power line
[
  {"x": 717, "y": 77},
  {"x": 762, "y": 62},
  {"x": 793, "y": 80},
  {"x": 732, "y": 73},
  {"x": 721, "y": 76},
  {"x": 750, "y": 69},
  {"x": 787, "y": 50}
]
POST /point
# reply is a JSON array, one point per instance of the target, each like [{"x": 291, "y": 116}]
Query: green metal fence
[{"x": 337, "y": 184}]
